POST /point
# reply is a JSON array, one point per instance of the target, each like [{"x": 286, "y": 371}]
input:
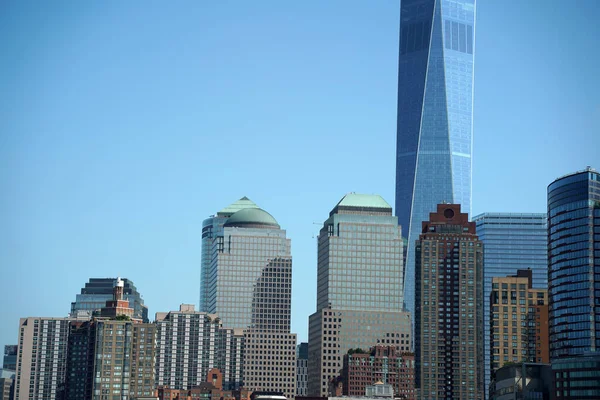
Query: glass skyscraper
[
  {"x": 98, "y": 290},
  {"x": 247, "y": 280},
  {"x": 359, "y": 273},
  {"x": 574, "y": 283},
  {"x": 435, "y": 114},
  {"x": 511, "y": 242}
]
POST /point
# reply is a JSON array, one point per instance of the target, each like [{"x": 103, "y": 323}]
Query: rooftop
[
  {"x": 363, "y": 200},
  {"x": 236, "y": 206},
  {"x": 252, "y": 218}
]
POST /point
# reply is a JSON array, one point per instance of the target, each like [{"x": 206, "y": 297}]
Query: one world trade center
[{"x": 435, "y": 115}]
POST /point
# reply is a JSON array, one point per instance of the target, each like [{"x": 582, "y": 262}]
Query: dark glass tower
[
  {"x": 435, "y": 104},
  {"x": 574, "y": 283},
  {"x": 98, "y": 290}
]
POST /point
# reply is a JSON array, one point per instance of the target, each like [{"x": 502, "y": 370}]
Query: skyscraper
[
  {"x": 190, "y": 343},
  {"x": 211, "y": 228},
  {"x": 97, "y": 291},
  {"x": 247, "y": 281},
  {"x": 511, "y": 241},
  {"x": 359, "y": 287},
  {"x": 574, "y": 283},
  {"x": 449, "y": 308},
  {"x": 435, "y": 114}
]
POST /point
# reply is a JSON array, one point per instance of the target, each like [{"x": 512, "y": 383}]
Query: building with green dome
[{"x": 247, "y": 281}]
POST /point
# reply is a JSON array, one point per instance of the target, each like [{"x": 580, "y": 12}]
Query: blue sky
[{"x": 124, "y": 124}]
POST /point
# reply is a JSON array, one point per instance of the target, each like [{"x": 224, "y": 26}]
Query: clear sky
[{"x": 124, "y": 124}]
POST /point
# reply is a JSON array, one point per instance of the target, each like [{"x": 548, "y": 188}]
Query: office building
[
  {"x": 385, "y": 364},
  {"x": 522, "y": 381},
  {"x": 511, "y": 242},
  {"x": 112, "y": 356},
  {"x": 211, "y": 228},
  {"x": 190, "y": 343},
  {"x": 359, "y": 287},
  {"x": 518, "y": 321},
  {"x": 574, "y": 282},
  {"x": 449, "y": 314},
  {"x": 435, "y": 115},
  {"x": 98, "y": 291},
  {"x": 248, "y": 284},
  {"x": 10, "y": 357},
  {"x": 302, "y": 369},
  {"x": 41, "y": 358}
]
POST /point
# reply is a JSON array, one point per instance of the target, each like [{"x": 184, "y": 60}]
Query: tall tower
[
  {"x": 359, "y": 287},
  {"x": 511, "y": 242},
  {"x": 211, "y": 228},
  {"x": 449, "y": 308},
  {"x": 248, "y": 284},
  {"x": 574, "y": 283},
  {"x": 435, "y": 114}
]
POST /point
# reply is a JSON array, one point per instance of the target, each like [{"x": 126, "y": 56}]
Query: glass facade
[
  {"x": 98, "y": 291},
  {"x": 574, "y": 264},
  {"x": 511, "y": 241},
  {"x": 211, "y": 228},
  {"x": 359, "y": 281},
  {"x": 574, "y": 283},
  {"x": 247, "y": 281},
  {"x": 435, "y": 113}
]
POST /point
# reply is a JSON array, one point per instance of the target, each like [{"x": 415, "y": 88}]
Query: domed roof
[{"x": 252, "y": 218}]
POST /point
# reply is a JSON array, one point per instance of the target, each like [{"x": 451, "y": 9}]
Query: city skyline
[{"x": 89, "y": 196}]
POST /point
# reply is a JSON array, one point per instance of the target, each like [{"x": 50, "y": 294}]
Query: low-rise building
[{"x": 522, "y": 381}]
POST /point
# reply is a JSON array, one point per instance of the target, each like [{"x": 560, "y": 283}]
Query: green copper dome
[{"x": 252, "y": 218}]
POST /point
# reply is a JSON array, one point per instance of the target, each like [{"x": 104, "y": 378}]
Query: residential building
[
  {"x": 435, "y": 115},
  {"x": 511, "y": 242},
  {"x": 359, "y": 287},
  {"x": 112, "y": 356},
  {"x": 518, "y": 321},
  {"x": 10, "y": 357},
  {"x": 248, "y": 284},
  {"x": 98, "y": 291},
  {"x": 386, "y": 364},
  {"x": 449, "y": 315},
  {"x": 41, "y": 358},
  {"x": 6, "y": 388},
  {"x": 302, "y": 369},
  {"x": 190, "y": 343},
  {"x": 522, "y": 381},
  {"x": 574, "y": 282}
]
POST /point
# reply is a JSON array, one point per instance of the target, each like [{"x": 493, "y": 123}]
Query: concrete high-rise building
[
  {"x": 247, "y": 281},
  {"x": 111, "y": 357},
  {"x": 98, "y": 291},
  {"x": 435, "y": 114},
  {"x": 449, "y": 313},
  {"x": 518, "y": 321},
  {"x": 191, "y": 343},
  {"x": 6, "y": 388},
  {"x": 41, "y": 358},
  {"x": 574, "y": 283},
  {"x": 10, "y": 357},
  {"x": 359, "y": 287},
  {"x": 511, "y": 241},
  {"x": 302, "y": 369}
]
